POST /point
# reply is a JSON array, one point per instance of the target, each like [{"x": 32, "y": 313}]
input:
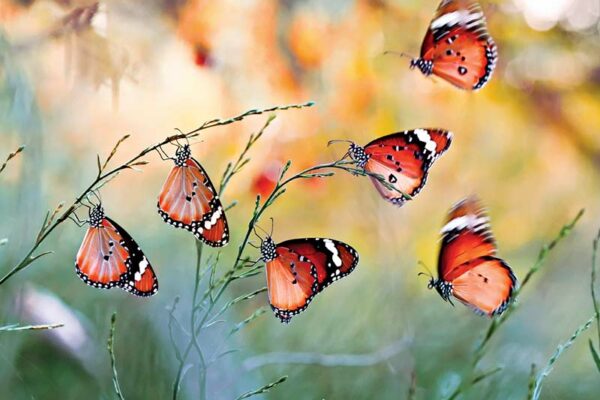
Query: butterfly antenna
[
  {"x": 272, "y": 225},
  {"x": 96, "y": 194},
  {"x": 253, "y": 245},
  {"x": 338, "y": 141},
  {"x": 399, "y": 54},
  {"x": 257, "y": 235},
  {"x": 194, "y": 142},
  {"x": 428, "y": 273},
  {"x": 259, "y": 227}
]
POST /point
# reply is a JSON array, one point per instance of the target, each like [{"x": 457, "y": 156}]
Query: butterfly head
[
  {"x": 358, "y": 154},
  {"x": 443, "y": 288},
  {"x": 96, "y": 215},
  {"x": 425, "y": 66},
  {"x": 182, "y": 154}
]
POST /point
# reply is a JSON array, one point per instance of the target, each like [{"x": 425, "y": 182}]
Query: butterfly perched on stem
[
  {"x": 457, "y": 46},
  {"x": 109, "y": 257},
  {"x": 468, "y": 268},
  {"x": 189, "y": 200},
  {"x": 403, "y": 159},
  {"x": 298, "y": 269}
]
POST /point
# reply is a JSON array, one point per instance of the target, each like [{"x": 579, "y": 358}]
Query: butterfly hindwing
[
  {"x": 101, "y": 259},
  {"x": 486, "y": 287},
  {"x": 292, "y": 283}
]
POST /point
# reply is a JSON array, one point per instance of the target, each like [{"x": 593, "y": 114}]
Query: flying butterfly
[
  {"x": 403, "y": 159},
  {"x": 457, "y": 46},
  {"x": 109, "y": 257},
  {"x": 298, "y": 269},
  {"x": 468, "y": 268},
  {"x": 189, "y": 200}
]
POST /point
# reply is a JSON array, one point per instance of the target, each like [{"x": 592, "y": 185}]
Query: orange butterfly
[
  {"x": 189, "y": 200},
  {"x": 468, "y": 268},
  {"x": 457, "y": 46},
  {"x": 298, "y": 269},
  {"x": 109, "y": 257},
  {"x": 402, "y": 158}
]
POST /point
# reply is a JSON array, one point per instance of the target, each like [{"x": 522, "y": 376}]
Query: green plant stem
[
  {"x": 557, "y": 353},
  {"x": 229, "y": 276},
  {"x": 593, "y": 284},
  {"x": 102, "y": 176},
  {"x": 111, "y": 352},
  {"x": 542, "y": 256}
]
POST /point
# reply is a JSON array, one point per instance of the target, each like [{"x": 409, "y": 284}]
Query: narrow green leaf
[{"x": 594, "y": 355}]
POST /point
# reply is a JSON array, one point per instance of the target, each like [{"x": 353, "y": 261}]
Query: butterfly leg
[
  {"x": 162, "y": 153},
  {"x": 75, "y": 218}
]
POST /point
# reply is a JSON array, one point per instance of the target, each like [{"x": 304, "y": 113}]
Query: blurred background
[{"x": 75, "y": 77}]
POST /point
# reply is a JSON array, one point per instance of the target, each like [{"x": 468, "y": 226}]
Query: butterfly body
[
  {"x": 457, "y": 46},
  {"x": 109, "y": 257},
  {"x": 468, "y": 268},
  {"x": 403, "y": 159},
  {"x": 298, "y": 269},
  {"x": 188, "y": 200}
]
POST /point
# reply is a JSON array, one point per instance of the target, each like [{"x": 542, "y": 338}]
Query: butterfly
[
  {"x": 189, "y": 200},
  {"x": 109, "y": 257},
  {"x": 403, "y": 159},
  {"x": 457, "y": 46},
  {"x": 468, "y": 268},
  {"x": 298, "y": 269}
]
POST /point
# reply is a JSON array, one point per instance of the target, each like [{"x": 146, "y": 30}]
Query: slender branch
[
  {"x": 17, "y": 327},
  {"x": 593, "y": 284},
  {"x": 10, "y": 157},
  {"x": 531, "y": 384},
  {"x": 460, "y": 389},
  {"x": 111, "y": 352},
  {"x": 131, "y": 164},
  {"x": 263, "y": 389},
  {"x": 557, "y": 353}
]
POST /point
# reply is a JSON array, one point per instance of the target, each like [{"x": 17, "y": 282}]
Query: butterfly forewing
[
  {"x": 189, "y": 200},
  {"x": 292, "y": 283},
  {"x": 101, "y": 259},
  {"x": 140, "y": 278},
  {"x": 333, "y": 259},
  {"x": 404, "y": 159}
]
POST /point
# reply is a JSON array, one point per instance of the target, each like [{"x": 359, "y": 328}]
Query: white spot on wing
[
  {"x": 329, "y": 245},
  {"x": 462, "y": 17},
  {"x": 214, "y": 218},
  {"x": 464, "y": 222},
  {"x": 424, "y": 137}
]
